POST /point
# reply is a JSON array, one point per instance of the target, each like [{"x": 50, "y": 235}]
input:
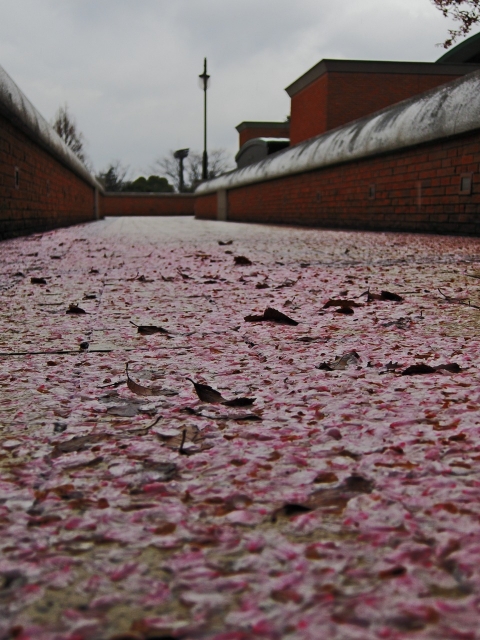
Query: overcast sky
[{"x": 128, "y": 69}]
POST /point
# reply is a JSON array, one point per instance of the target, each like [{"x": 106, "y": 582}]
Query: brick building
[{"x": 381, "y": 145}]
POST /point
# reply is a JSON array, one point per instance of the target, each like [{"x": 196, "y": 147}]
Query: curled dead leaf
[
  {"x": 73, "y": 308},
  {"x": 239, "y": 402},
  {"x": 206, "y": 393},
  {"x": 341, "y": 303},
  {"x": 347, "y": 311},
  {"x": 384, "y": 295},
  {"x": 140, "y": 390},
  {"x": 148, "y": 330},
  {"x": 290, "y": 510},
  {"x": 272, "y": 315},
  {"x": 326, "y": 477},
  {"x": 242, "y": 260},
  {"x": 421, "y": 368}
]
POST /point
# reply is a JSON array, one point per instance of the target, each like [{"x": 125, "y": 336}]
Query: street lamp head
[
  {"x": 181, "y": 154},
  {"x": 204, "y": 77}
]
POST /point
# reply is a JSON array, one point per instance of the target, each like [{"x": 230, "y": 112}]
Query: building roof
[
  {"x": 258, "y": 148},
  {"x": 376, "y": 66},
  {"x": 466, "y": 51},
  {"x": 259, "y": 124}
]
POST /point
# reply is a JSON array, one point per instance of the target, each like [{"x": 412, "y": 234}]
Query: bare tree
[
  {"x": 66, "y": 127},
  {"x": 218, "y": 163},
  {"x": 168, "y": 167},
  {"x": 113, "y": 178},
  {"x": 465, "y": 12}
]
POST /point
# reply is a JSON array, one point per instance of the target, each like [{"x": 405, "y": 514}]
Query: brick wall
[
  {"x": 206, "y": 207},
  {"x": 162, "y": 204},
  {"x": 415, "y": 189},
  {"x": 336, "y": 98},
  {"x": 37, "y": 191}
]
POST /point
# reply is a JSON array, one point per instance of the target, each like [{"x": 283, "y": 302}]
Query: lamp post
[
  {"x": 204, "y": 77},
  {"x": 180, "y": 155}
]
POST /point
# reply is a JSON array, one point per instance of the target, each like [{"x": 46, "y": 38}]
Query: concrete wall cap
[
  {"x": 449, "y": 110},
  {"x": 17, "y": 108}
]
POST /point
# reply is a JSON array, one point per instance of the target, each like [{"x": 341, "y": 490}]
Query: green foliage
[{"x": 152, "y": 184}]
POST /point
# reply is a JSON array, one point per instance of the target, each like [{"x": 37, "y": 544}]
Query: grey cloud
[{"x": 128, "y": 70}]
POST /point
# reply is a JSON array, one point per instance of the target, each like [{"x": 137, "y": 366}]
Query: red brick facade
[
  {"x": 206, "y": 207},
  {"x": 416, "y": 189},
  {"x": 37, "y": 192},
  {"x": 162, "y": 204},
  {"x": 335, "y": 98}
]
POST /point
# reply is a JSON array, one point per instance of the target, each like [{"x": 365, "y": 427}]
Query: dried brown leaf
[
  {"x": 384, "y": 295},
  {"x": 239, "y": 402},
  {"x": 148, "y": 330},
  {"x": 207, "y": 393},
  {"x": 341, "y": 303},
  {"x": 272, "y": 315},
  {"x": 388, "y": 295},
  {"x": 242, "y": 260},
  {"x": 325, "y": 477},
  {"x": 140, "y": 390},
  {"x": 73, "y": 308},
  {"x": 253, "y": 318},
  {"x": 419, "y": 369}
]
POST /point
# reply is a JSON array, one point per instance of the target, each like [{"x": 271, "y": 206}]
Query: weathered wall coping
[{"x": 446, "y": 111}]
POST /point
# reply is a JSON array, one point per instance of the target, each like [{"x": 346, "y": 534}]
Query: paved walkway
[{"x": 343, "y": 503}]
